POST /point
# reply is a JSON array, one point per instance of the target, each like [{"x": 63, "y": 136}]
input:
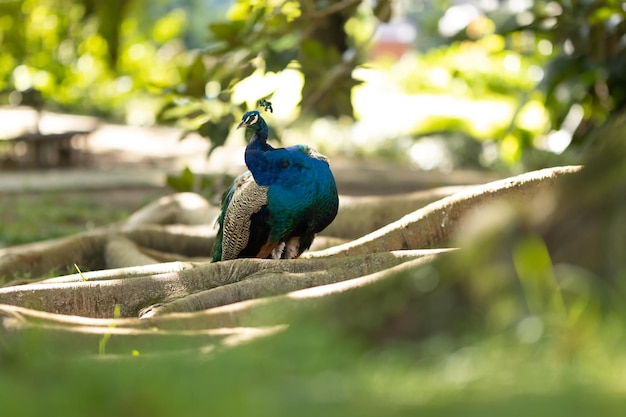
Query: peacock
[{"x": 274, "y": 209}]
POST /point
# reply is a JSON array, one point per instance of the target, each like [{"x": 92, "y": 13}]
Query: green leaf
[
  {"x": 183, "y": 182},
  {"x": 278, "y": 60},
  {"x": 217, "y": 132},
  {"x": 533, "y": 265},
  {"x": 312, "y": 50},
  {"x": 173, "y": 111},
  {"x": 226, "y": 31},
  {"x": 196, "y": 78}
]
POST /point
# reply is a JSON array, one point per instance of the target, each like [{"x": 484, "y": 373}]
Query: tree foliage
[
  {"x": 587, "y": 64},
  {"x": 85, "y": 56},
  {"x": 132, "y": 59},
  {"x": 567, "y": 58},
  {"x": 270, "y": 36}
]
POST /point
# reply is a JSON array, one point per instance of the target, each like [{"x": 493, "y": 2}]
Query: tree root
[
  {"x": 190, "y": 237},
  {"x": 134, "y": 292},
  {"x": 359, "y": 216},
  {"x": 187, "y": 240},
  {"x": 280, "y": 308},
  {"x": 36, "y": 260},
  {"x": 180, "y": 208},
  {"x": 268, "y": 283},
  {"x": 435, "y": 224},
  {"x": 256, "y": 313},
  {"x": 204, "y": 304},
  {"x": 123, "y": 337},
  {"x": 39, "y": 260},
  {"x": 121, "y": 252},
  {"x": 121, "y": 273}
]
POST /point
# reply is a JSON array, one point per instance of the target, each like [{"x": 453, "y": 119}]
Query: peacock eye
[{"x": 285, "y": 163}]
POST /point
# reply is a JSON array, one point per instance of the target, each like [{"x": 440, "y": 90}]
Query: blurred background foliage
[
  {"x": 499, "y": 84},
  {"x": 527, "y": 319}
]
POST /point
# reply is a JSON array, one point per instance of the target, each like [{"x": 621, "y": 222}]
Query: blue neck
[
  {"x": 260, "y": 131},
  {"x": 258, "y": 140},
  {"x": 256, "y": 152}
]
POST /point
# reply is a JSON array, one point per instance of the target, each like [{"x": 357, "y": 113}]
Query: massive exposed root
[{"x": 153, "y": 268}]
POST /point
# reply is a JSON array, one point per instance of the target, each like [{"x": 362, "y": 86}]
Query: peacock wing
[{"x": 244, "y": 221}]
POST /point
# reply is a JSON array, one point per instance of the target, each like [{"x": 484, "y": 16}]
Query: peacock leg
[
  {"x": 292, "y": 248},
  {"x": 277, "y": 253}
]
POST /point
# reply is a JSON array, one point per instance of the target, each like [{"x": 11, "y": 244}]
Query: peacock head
[{"x": 252, "y": 120}]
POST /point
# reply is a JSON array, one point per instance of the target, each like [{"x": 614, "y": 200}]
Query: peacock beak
[{"x": 241, "y": 124}]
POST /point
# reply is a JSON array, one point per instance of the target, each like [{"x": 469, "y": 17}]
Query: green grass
[
  {"x": 33, "y": 217},
  {"x": 309, "y": 371}
]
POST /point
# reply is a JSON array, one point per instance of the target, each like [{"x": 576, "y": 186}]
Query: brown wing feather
[{"x": 248, "y": 199}]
